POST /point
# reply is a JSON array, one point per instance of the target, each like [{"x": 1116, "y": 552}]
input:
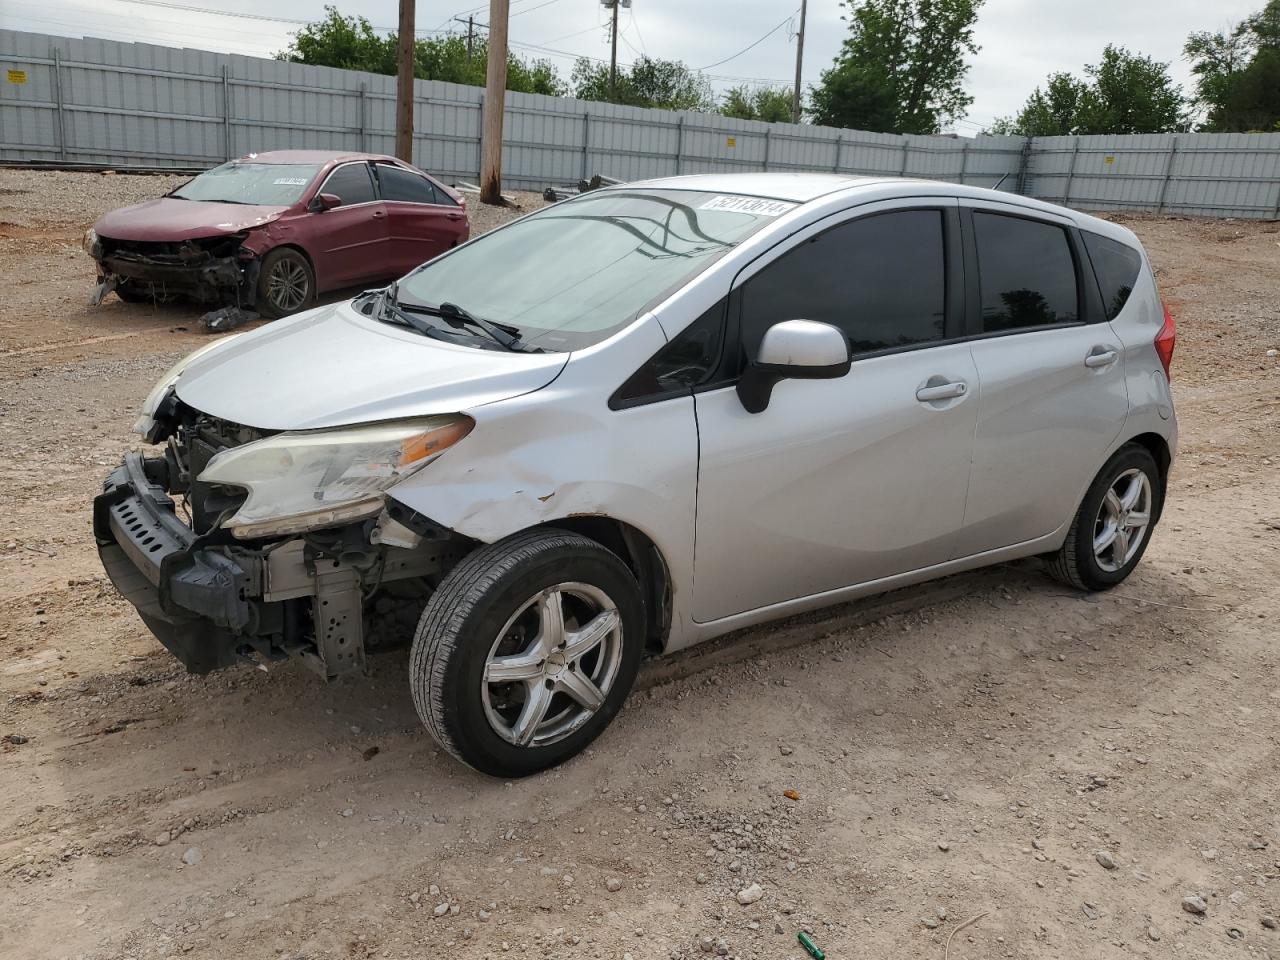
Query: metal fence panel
[{"x": 132, "y": 104}]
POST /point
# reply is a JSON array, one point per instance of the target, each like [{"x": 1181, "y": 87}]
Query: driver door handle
[
  {"x": 1101, "y": 357},
  {"x": 943, "y": 391},
  {"x": 379, "y": 214}
]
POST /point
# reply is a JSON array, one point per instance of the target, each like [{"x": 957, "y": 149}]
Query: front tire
[
  {"x": 286, "y": 283},
  {"x": 526, "y": 651},
  {"x": 1113, "y": 526}
]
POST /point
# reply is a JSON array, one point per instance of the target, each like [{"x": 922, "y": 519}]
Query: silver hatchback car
[{"x": 642, "y": 418}]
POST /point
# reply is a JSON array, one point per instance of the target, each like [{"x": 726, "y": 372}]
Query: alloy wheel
[
  {"x": 287, "y": 285},
  {"x": 1123, "y": 520},
  {"x": 552, "y": 665}
]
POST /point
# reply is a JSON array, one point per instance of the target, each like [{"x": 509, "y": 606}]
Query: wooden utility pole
[
  {"x": 404, "y": 83},
  {"x": 795, "y": 96},
  {"x": 494, "y": 104},
  {"x": 613, "y": 54},
  {"x": 471, "y": 35}
]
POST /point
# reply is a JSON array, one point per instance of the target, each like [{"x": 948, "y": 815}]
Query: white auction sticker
[
  {"x": 753, "y": 205},
  {"x": 290, "y": 181}
]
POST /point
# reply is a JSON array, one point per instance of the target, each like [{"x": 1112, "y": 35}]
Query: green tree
[
  {"x": 666, "y": 84},
  {"x": 902, "y": 67},
  {"x": 352, "y": 44},
  {"x": 771, "y": 104},
  {"x": 346, "y": 42},
  {"x": 1050, "y": 112},
  {"x": 1123, "y": 93},
  {"x": 1237, "y": 73}
]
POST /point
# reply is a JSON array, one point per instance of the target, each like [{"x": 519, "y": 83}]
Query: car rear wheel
[
  {"x": 526, "y": 651},
  {"x": 1113, "y": 526},
  {"x": 286, "y": 283}
]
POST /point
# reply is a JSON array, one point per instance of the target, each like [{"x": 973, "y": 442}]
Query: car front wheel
[
  {"x": 1113, "y": 526},
  {"x": 526, "y": 651},
  {"x": 286, "y": 283}
]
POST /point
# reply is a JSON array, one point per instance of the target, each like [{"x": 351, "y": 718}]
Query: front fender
[{"x": 560, "y": 453}]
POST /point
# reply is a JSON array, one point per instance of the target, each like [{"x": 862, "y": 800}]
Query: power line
[
  {"x": 752, "y": 45},
  {"x": 636, "y": 23}
]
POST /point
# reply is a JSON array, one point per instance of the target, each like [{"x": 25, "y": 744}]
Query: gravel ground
[{"x": 1088, "y": 775}]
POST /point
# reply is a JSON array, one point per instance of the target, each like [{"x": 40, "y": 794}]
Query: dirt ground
[{"x": 1064, "y": 768}]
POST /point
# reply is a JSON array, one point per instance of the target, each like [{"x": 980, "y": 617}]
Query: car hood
[
  {"x": 333, "y": 366},
  {"x": 167, "y": 219}
]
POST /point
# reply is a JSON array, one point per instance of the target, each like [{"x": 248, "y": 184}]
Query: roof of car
[
  {"x": 807, "y": 187},
  {"x": 311, "y": 156},
  {"x": 796, "y": 187}
]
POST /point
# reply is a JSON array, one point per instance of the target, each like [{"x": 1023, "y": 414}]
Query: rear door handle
[
  {"x": 942, "y": 391},
  {"x": 1101, "y": 357}
]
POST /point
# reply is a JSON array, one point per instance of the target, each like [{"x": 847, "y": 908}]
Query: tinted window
[
  {"x": 682, "y": 364},
  {"x": 400, "y": 184},
  {"x": 351, "y": 183},
  {"x": 1026, "y": 273},
  {"x": 1116, "y": 265},
  {"x": 880, "y": 279}
]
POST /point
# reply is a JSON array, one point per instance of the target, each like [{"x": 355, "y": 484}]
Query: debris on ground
[{"x": 226, "y": 318}]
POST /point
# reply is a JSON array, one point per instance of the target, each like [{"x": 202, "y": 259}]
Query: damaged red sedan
[{"x": 270, "y": 231}]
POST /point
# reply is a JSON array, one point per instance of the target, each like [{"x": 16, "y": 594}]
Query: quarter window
[
  {"x": 687, "y": 361},
  {"x": 1116, "y": 265},
  {"x": 351, "y": 183},
  {"x": 402, "y": 185},
  {"x": 1027, "y": 275},
  {"x": 880, "y": 279}
]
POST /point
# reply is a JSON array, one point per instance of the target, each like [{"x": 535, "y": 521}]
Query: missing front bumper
[{"x": 215, "y": 604}]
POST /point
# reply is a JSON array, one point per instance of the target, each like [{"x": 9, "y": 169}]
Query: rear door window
[
  {"x": 404, "y": 186},
  {"x": 352, "y": 183},
  {"x": 1116, "y": 265},
  {"x": 1026, "y": 273},
  {"x": 881, "y": 279}
]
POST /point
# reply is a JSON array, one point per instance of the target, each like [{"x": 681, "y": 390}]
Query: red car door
[
  {"x": 423, "y": 221},
  {"x": 348, "y": 242}
]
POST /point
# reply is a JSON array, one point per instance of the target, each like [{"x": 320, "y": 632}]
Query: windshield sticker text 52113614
[{"x": 756, "y": 206}]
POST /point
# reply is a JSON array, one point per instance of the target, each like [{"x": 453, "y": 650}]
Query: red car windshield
[{"x": 267, "y": 184}]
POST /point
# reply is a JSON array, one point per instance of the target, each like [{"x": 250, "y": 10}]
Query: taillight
[{"x": 1165, "y": 341}]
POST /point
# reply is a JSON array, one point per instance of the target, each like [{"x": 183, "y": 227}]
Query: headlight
[
  {"x": 147, "y": 415},
  {"x": 90, "y": 241},
  {"x": 323, "y": 478}
]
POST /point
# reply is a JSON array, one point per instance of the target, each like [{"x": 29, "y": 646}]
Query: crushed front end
[
  {"x": 217, "y": 269},
  {"x": 214, "y": 599}
]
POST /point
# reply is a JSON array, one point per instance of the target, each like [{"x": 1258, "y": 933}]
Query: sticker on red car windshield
[
  {"x": 756, "y": 206},
  {"x": 289, "y": 181}
]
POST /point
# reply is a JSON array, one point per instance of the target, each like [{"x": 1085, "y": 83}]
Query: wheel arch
[
  {"x": 643, "y": 558},
  {"x": 1158, "y": 447}
]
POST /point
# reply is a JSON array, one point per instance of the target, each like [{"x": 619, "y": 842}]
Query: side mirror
[
  {"x": 793, "y": 350},
  {"x": 324, "y": 201}
]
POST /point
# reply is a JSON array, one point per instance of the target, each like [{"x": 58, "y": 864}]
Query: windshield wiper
[
  {"x": 506, "y": 336},
  {"x": 386, "y": 309}
]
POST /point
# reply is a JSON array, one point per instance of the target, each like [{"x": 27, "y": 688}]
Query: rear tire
[
  {"x": 526, "y": 651},
  {"x": 286, "y": 283},
  {"x": 1114, "y": 523}
]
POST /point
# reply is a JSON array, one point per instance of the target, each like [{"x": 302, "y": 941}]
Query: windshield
[
  {"x": 572, "y": 274},
  {"x": 269, "y": 184}
]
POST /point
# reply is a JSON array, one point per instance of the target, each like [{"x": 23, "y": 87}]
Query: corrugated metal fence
[{"x": 103, "y": 102}]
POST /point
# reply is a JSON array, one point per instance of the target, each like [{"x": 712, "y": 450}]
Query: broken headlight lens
[
  {"x": 147, "y": 415},
  {"x": 324, "y": 478}
]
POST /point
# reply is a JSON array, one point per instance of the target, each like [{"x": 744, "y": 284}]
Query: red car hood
[{"x": 169, "y": 219}]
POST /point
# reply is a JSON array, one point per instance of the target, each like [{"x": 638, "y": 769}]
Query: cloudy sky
[{"x": 1022, "y": 40}]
